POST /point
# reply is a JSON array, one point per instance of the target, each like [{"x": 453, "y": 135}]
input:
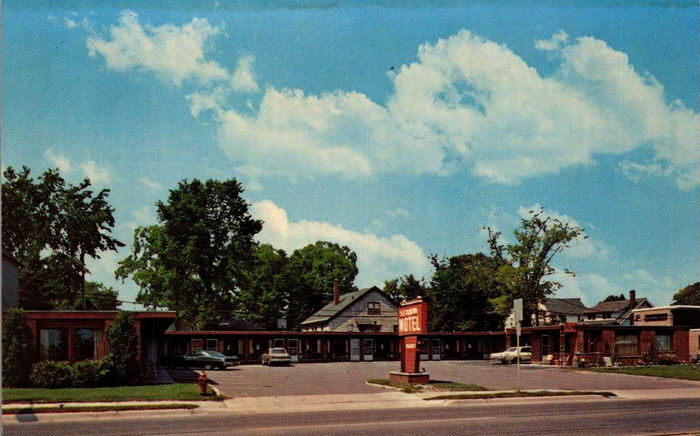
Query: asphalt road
[
  {"x": 350, "y": 377},
  {"x": 588, "y": 417}
]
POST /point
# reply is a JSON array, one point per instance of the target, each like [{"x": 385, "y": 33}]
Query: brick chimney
[
  {"x": 336, "y": 291},
  {"x": 633, "y": 299}
]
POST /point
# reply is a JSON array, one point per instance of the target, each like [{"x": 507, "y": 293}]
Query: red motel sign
[{"x": 413, "y": 318}]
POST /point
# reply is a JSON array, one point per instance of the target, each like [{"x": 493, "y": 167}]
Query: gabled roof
[
  {"x": 571, "y": 306},
  {"x": 610, "y": 306},
  {"x": 330, "y": 310}
]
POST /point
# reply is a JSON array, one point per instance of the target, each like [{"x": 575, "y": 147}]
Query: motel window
[
  {"x": 373, "y": 308},
  {"x": 53, "y": 344},
  {"x": 656, "y": 317},
  {"x": 663, "y": 342},
  {"x": 212, "y": 344},
  {"x": 196, "y": 344},
  {"x": 87, "y": 344},
  {"x": 627, "y": 345}
]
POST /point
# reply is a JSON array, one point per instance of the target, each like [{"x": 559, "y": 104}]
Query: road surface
[{"x": 589, "y": 417}]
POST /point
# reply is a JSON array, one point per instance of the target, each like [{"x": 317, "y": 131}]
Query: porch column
[{"x": 139, "y": 346}]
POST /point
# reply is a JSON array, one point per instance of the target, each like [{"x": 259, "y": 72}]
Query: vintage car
[
  {"x": 206, "y": 359},
  {"x": 276, "y": 356},
  {"x": 511, "y": 355}
]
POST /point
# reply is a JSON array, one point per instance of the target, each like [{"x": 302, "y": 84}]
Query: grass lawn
[
  {"x": 438, "y": 385},
  {"x": 175, "y": 391},
  {"x": 516, "y": 394},
  {"x": 28, "y": 410},
  {"x": 688, "y": 372}
]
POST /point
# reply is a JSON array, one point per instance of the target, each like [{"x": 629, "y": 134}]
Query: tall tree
[
  {"x": 690, "y": 295},
  {"x": 196, "y": 258},
  {"x": 462, "y": 289},
  {"x": 264, "y": 298},
  {"x": 614, "y": 298},
  {"x": 406, "y": 288},
  {"x": 310, "y": 274},
  {"x": 527, "y": 262},
  {"x": 104, "y": 297},
  {"x": 50, "y": 227}
]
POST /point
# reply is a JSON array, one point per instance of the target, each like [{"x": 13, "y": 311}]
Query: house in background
[
  {"x": 615, "y": 312},
  {"x": 366, "y": 310},
  {"x": 555, "y": 311},
  {"x": 10, "y": 282}
]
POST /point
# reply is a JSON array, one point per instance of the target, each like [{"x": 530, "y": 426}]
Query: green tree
[
  {"x": 690, "y": 295},
  {"x": 198, "y": 255},
  {"x": 310, "y": 273},
  {"x": 17, "y": 349},
  {"x": 406, "y": 288},
  {"x": 50, "y": 227},
  {"x": 121, "y": 343},
  {"x": 264, "y": 298},
  {"x": 526, "y": 263},
  {"x": 614, "y": 298},
  {"x": 462, "y": 289},
  {"x": 104, "y": 297}
]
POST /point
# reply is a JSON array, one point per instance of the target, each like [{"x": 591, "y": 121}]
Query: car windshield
[
  {"x": 512, "y": 349},
  {"x": 214, "y": 353},
  {"x": 278, "y": 351}
]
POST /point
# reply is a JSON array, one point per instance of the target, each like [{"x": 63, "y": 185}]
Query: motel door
[
  {"x": 435, "y": 349},
  {"x": 423, "y": 349},
  {"x": 293, "y": 349},
  {"x": 354, "y": 349},
  {"x": 368, "y": 349}
]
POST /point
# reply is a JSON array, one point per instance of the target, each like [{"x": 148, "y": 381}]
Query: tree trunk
[{"x": 82, "y": 273}]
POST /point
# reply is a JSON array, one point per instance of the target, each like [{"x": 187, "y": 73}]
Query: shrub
[
  {"x": 121, "y": 340},
  {"x": 88, "y": 373},
  {"x": 667, "y": 359},
  {"x": 17, "y": 340},
  {"x": 52, "y": 375}
]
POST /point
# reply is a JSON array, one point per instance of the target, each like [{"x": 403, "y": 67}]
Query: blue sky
[{"x": 395, "y": 129}]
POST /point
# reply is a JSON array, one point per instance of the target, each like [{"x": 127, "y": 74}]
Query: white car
[
  {"x": 276, "y": 356},
  {"x": 511, "y": 355}
]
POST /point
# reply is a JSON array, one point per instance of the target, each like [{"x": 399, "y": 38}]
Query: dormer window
[{"x": 373, "y": 308}]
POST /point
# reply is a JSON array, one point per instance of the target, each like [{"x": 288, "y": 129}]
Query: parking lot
[{"x": 350, "y": 377}]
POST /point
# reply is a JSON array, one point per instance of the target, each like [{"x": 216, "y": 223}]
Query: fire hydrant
[{"x": 203, "y": 380}]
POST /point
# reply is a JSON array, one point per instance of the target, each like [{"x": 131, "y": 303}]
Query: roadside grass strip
[
  {"x": 28, "y": 410},
  {"x": 175, "y": 391},
  {"x": 687, "y": 372},
  {"x": 434, "y": 385},
  {"x": 518, "y": 394}
]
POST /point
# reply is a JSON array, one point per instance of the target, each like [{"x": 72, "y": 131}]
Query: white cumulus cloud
[
  {"x": 63, "y": 163},
  {"x": 96, "y": 173},
  {"x": 465, "y": 102},
  {"x": 151, "y": 184},
  {"x": 176, "y": 53},
  {"x": 378, "y": 258}
]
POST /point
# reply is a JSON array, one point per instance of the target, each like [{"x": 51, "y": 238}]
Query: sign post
[
  {"x": 518, "y": 318},
  {"x": 413, "y": 322}
]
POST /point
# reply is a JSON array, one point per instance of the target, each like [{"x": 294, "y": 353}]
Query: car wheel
[{"x": 503, "y": 361}]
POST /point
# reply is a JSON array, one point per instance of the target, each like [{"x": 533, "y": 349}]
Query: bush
[
  {"x": 667, "y": 359},
  {"x": 52, "y": 375},
  {"x": 121, "y": 341},
  {"x": 89, "y": 373},
  {"x": 17, "y": 340}
]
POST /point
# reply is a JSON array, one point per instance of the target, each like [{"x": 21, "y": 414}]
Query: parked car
[
  {"x": 276, "y": 356},
  {"x": 511, "y": 355},
  {"x": 206, "y": 359}
]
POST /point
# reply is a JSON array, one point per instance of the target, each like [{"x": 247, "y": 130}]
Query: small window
[
  {"x": 627, "y": 345},
  {"x": 656, "y": 317},
  {"x": 663, "y": 342},
  {"x": 84, "y": 344},
  {"x": 196, "y": 344},
  {"x": 212, "y": 344},
  {"x": 351, "y": 327},
  {"x": 53, "y": 344},
  {"x": 374, "y": 308}
]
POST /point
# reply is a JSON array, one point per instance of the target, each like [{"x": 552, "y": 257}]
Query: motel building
[{"x": 358, "y": 326}]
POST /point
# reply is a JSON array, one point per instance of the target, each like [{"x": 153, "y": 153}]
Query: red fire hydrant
[{"x": 203, "y": 380}]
